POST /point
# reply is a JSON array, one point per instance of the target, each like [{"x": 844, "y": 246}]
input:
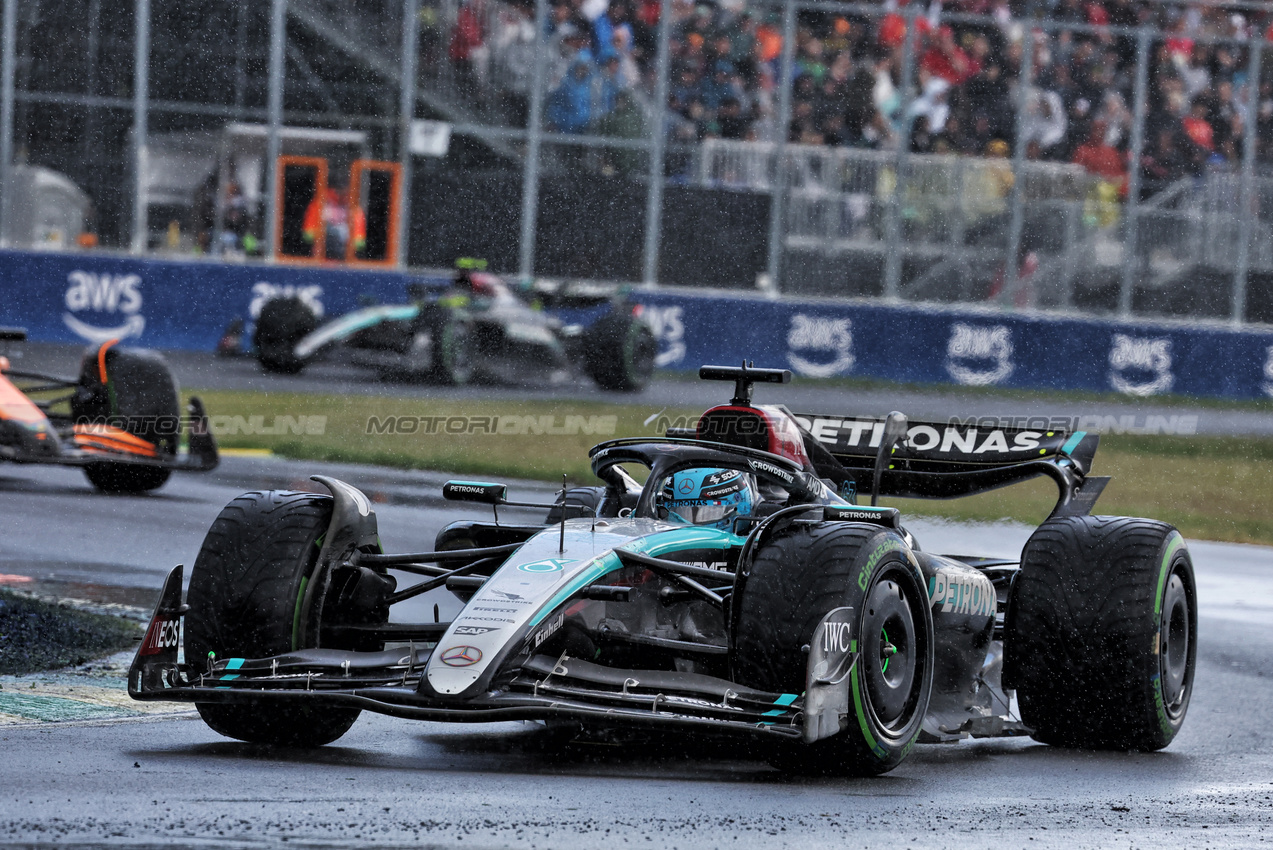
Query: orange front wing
[{"x": 108, "y": 440}]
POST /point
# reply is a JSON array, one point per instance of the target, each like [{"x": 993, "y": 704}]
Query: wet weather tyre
[
  {"x": 1100, "y": 638},
  {"x": 283, "y": 323},
  {"x": 453, "y": 348},
  {"x": 140, "y": 395},
  {"x": 126, "y": 477},
  {"x": 795, "y": 579},
  {"x": 619, "y": 351},
  {"x": 246, "y": 593}
]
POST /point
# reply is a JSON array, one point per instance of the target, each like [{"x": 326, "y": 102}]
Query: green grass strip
[{"x": 1214, "y": 488}]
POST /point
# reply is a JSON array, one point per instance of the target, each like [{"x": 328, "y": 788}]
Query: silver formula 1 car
[
  {"x": 738, "y": 591},
  {"x": 476, "y": 328}
]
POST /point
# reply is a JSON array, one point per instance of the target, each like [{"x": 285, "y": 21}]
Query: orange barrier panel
[
  {"x": 290, "y": 208},
  {"x": 379, "y": 206}
]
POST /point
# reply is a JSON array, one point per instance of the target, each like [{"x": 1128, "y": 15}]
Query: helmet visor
[{"x": 702, "y": 512}]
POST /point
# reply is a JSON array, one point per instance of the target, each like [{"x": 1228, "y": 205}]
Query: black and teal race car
[
  {"x": 739, "y": 590},
  {"x": 475, "y": 328}
]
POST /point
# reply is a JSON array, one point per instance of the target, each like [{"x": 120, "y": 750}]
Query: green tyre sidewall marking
[
  {"x": 629, "y": 352},
  {"x": 872, "y": 564},
  {"x": 296, "y": 615},
  {"x": 1173, "y": 544},
  {"x": 446, "y": 349},
  {"x": 630, "y": 343},
  {"x": 860, "y": 710}
]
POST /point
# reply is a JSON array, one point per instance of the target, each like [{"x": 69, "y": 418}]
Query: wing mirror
[{"x": 483, "y": 492}]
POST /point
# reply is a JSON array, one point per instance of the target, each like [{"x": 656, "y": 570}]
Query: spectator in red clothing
[
  {"x": 946, "y": 59},
  {"x": 892, "y": 29},
  {"x": 467, "y": 50},
  {"x": 1100, "y": 158},
  {"x": 1100, "y": 208},
  {"x": 1198, "y": 128}
]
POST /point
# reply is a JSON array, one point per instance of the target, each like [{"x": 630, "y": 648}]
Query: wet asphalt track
[{"x": 389, "y": 782}]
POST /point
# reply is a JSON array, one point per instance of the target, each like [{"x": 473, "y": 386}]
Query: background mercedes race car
[
  {"x": 120, "y": 419},
  {"x": 818, "y": 627},
  {"x": 477, "y": 328}
]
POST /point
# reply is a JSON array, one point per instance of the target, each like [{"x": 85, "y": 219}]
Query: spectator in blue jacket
[{"x": 570, "y": 104}]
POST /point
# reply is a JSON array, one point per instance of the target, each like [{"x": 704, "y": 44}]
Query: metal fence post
[
  {"x": 1247, "y": 215},
  {"x": 141, "y": 98},
  {"x": 1012, "y": 261},
  {"x": 7, "y": 69},
  {"x": 893, "y": 224},
  {"x": 240, "y": 59},
  {"x": 406, "y": 114},
  {"x": 278, "y": 38},
  {"x": 657, "y": 149},
  {"x": 534, "y": 133},
  {"x": 777, "y": 201},
  {"x": 1132, "y": 216}
]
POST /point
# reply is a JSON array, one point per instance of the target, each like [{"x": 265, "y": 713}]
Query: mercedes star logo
[{"x": 461, "y": 656}]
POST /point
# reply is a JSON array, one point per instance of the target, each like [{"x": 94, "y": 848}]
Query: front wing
[
  {"x": 81, "y": 445},
  {"x": 537, "y": 687}
]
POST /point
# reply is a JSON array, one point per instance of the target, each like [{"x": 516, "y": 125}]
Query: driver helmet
[{"x": 709, "y": 497}]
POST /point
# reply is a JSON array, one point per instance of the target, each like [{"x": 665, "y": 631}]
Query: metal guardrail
[
  {"x": 934, "y": 219},
  {"x": 953, "y": 209}
]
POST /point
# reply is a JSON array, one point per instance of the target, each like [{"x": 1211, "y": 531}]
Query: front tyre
[
  {"x": 1100, "y": 635},
  {"x": 137, "y": 390},
  {"x": 126, "y": 477},
  {"x": 796, "y": 579},
  {"x": 246, "y": 594}
]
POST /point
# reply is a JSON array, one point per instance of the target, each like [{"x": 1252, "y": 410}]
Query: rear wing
[{"x": 951, "y": 459}]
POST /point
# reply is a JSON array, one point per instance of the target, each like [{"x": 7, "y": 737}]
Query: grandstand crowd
[{"x": 725, "y": 69}]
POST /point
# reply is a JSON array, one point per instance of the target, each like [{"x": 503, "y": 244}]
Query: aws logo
[
  {"x": 96, "y": 303},
  {"x": 668, "y": 324},
  {"x": 262, "y": 291},
  {"x": 820, "y": 347},
  {"x": 979, "y": 356},
  {"x": 1268, "y": 371},
  {"x": 1139, "y": 366}
]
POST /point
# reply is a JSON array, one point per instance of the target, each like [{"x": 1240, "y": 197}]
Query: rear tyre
[
  {"x": 140, "y": 395},
  {"x": 245, "y": 598},
  {"x": 283, "y": 322},
  {"x": 799, "y": 576},
  {"x": 619, "y": 351},
  {"x": 1100, "y": 636},
  {"x": 452, "y": 348}
]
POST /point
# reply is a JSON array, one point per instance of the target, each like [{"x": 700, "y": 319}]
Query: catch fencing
[{"x": 135, "y": 112}]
